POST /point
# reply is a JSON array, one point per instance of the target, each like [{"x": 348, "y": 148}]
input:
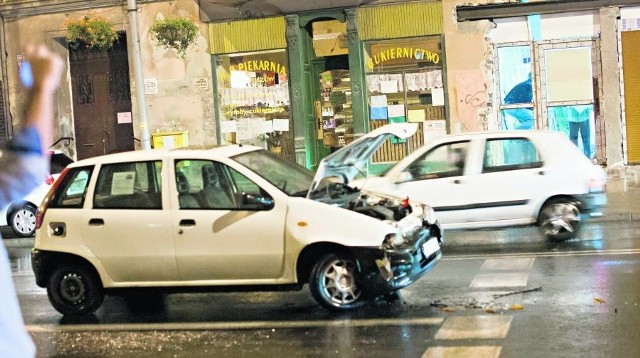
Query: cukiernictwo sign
[{"x": 394, "y": 53}]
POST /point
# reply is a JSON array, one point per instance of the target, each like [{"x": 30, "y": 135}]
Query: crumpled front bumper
[{"x": 391, "y": 269}]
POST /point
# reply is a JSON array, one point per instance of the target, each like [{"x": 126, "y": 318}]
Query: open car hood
[{"x": 348, "y": 161}]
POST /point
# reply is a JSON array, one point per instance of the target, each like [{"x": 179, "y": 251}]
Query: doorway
[
  {"x": 331, "y": 86},
  {"x": 101, "y": 100}
]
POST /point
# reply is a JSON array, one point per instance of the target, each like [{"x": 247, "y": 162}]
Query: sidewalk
[
  {"x": 622, "y": 205},
  {"x": 623, "y": 195}
]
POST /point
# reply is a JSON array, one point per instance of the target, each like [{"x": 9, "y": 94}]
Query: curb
[{"x": 614, "y": 217}]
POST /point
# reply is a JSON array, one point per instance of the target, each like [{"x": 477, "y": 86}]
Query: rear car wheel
[
  {"x": 335, "y": 283},
  {"x": 560, "y": 219},
  {"x": 23, "y": 220},
  {"x": 75, "y": 290}
]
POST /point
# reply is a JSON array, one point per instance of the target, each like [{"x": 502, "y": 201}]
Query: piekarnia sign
[{"x": 394, "y": 53}]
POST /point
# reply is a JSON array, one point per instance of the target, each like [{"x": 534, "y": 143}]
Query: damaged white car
[{"x": 228, "y": 218}]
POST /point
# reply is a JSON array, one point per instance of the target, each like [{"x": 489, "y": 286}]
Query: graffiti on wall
[{"x": 470, "y": 96}]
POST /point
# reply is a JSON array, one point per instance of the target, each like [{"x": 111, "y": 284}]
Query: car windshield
[{"x": 289, "y": 177}]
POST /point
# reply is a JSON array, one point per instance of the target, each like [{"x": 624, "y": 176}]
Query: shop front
[{"x": 305, "y": 85}]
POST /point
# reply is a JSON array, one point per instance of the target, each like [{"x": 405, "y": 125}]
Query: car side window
[
  {"x": 73, "y": 188},
  {"x": 205, "y": 184},
  {"x": 132, "y": 185},
  {"x": 443, "y": 161},
  {"x": 503, "y": 154}
]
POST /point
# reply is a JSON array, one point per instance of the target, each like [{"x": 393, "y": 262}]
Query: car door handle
[
  {"x": 96, "y": 222},
  {"x": 187, "y": 222}
]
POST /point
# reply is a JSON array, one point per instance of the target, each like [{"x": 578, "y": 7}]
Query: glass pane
[
  {"x": 254, "y": 99},
  {"x": 569, "y": 74},
  {"x": 517, "y": 118},
  {"x": 577, "y": 122},
  {"x": 510, "y": 154},
  {"x": 515, "y": 74},
  {"x": 337, "y": 115},
  {"x": 443, "y": 161}
]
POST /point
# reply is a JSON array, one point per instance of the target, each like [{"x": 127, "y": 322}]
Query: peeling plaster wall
[
  {"x": 178, "y": 105},
  {"x": 468, "y": 70}
]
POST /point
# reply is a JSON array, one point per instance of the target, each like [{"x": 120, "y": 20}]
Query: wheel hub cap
[
  {"x": 561, "y": 217},
  {"x": 24, "y": 221},
  {"x": 340, "y": 284}
]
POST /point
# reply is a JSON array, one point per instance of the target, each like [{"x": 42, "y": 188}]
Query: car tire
[
  {"x": 23, "y": 220},
  {"x": 75, "y": 290},
  {"x": 559, "y": 219},
  {"x": 335, "y": 283}
]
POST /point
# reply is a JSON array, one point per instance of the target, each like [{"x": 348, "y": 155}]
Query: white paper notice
[
  {"x": 150, "y": 85},
  {"x": 244, "y": 129},
  {"x": 122, "y": 183},
  {"x": 228, "y": 126},
  {"x": 379, "y": 101},
  {"x": 389, "y": 86},
  {"x": 437, "y": 97},
  {"x": 267, "y": 127},
  {"x": 281, "y": 125},
  {"x": 168, "y": 142},
  {"x": 124, "y": 117},
  {"x": 434, "y": 129},
  {"x": 396, "y": 110}
]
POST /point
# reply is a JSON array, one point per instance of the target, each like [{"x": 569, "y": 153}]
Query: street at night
[{"x": 507, "y": 293}]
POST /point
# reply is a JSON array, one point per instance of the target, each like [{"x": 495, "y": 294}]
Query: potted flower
[
  {"x": 176, "y": 33},
  {"x": 92, "y": 32}
]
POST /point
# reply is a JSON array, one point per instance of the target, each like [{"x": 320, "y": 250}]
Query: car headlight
[
  {"x": 428, "y": 214},
  {"x": 394, "y": 240}
]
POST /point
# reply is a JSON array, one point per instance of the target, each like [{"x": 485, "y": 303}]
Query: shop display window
[
  {"x": 405, "y": 84},
  {"x": 254, "y": 98}
]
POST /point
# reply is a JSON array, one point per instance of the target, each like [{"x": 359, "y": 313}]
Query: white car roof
[
  {"x": 155, "y": 154},
  {"x": 501, "y": 134}
]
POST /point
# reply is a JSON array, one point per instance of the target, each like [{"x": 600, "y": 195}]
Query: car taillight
[
  {"x": 597, "y": 185},
  {"x": 49, "y": 179},
  {"x": 45, "y": 202}
]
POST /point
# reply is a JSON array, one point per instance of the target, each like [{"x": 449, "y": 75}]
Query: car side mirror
[{"x": 252, "y": 201}]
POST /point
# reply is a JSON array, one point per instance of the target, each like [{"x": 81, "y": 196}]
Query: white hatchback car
[
  {"x": 496, "y": 179},
  {"x": 21, "y": 215},
  {"x": 233, "y": 217}
]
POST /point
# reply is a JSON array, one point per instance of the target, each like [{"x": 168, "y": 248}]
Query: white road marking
[
  {"x": 50, "y": 328},
  {"x": 500, "y": 279},
  {"x": 475, "y": 327},
  {"x": 542, "y": 254},
  {"x": 511, "y": 264},
  {"x": 466, "y": 351}
]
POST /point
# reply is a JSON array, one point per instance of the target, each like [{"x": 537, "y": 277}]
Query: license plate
[{"x": 430, "y": 247}]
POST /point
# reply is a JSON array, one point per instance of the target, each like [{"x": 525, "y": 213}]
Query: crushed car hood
[{"x": 351, "y": 160}]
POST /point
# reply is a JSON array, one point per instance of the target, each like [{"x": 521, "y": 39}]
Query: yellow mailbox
[{"x": 169, "y": 140}]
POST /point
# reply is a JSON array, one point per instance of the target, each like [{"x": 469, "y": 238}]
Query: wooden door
[{"x": 101, "y": 91}]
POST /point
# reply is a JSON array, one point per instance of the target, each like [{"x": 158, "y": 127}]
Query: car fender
[{"x": 310, "y": 221}]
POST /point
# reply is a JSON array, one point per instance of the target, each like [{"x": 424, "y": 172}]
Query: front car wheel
[
  {"x": 75, "y": 290},
  {"x": 335, "y": 283},
  {"x": 560, "y": 219}
]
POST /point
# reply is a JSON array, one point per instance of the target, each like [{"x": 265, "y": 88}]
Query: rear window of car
[
  {"x": 72, "y": 189},
  {"x": 132, "y": 185},
  {"x": 503, "y": 154}
]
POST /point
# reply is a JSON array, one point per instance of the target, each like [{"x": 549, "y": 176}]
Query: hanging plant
[
  {"x": 176, "y": 33},
  {"x": 93, "y": 32}
]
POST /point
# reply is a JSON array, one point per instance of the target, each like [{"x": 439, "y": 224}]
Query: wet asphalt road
[{"x": 582, "y": 299}]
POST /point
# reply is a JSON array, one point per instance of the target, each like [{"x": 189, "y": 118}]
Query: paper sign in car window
[{"x": 122, "y": 183}]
